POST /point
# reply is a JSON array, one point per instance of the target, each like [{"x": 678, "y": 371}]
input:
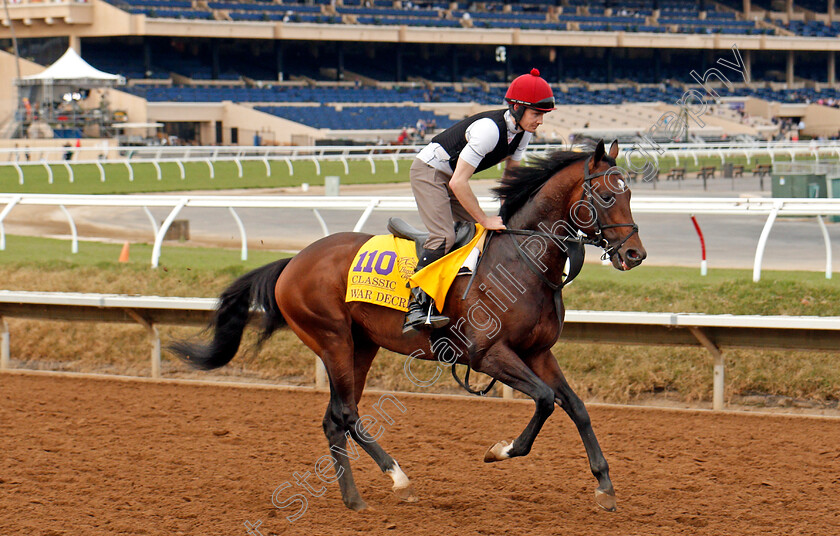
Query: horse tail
[{"x": 256, "y": 288}]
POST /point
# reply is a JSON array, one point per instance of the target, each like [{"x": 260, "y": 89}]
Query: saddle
[{"x": 464, "y": 232}]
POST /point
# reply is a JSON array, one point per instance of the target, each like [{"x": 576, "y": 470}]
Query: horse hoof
[
  {"x": 605, "y": 500},
  {"x": 498, "y": 452},
  {"x": 405, "y": 494},
  {"x": 357, "y": 505}
]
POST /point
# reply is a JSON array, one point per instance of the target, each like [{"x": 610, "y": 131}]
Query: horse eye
[{"x": 607, "y": 197}]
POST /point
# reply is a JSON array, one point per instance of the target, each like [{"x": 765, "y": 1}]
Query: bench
[
  {"x": 762, "y": 169},
  {"x": 706, "y": 172},
  {"x": 738, "y": 170},
  {"x": 646, "y": 176},
  {"x": 676, "y": 174}
]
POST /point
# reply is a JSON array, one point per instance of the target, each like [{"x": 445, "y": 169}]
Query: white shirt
[{"x": 482, "y": 137}]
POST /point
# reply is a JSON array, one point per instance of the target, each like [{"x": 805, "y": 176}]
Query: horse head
[
  {"x": 601, "y": 208},
  {"x": 566, "y": 191}
]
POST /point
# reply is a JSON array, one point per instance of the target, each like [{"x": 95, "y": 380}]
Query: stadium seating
[
  {"x": 128, "y": 62},
  {"x": 356, "y": 117},
  {"x": 293, "y": 94},
  {"x": 631, "y": 16},
  {"x": 573, "y": 95},
  {"x": 789, "y": 95},
  {"x": 68, "y": 133},
  {"x": 813, "y": 28}
]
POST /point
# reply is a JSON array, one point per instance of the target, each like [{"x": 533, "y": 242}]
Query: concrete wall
[
  {"x": 272, "y": 129},
  {"x": 74, "y": 19},
  {"x": 8, "y": 90},
  {"x": 761, "y": 108},
  {"x": 821, "y": 121},
  {"x": 132, "y": 105}
]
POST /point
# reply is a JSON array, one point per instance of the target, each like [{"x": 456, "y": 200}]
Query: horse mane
[{"x": 524, "y": 181}]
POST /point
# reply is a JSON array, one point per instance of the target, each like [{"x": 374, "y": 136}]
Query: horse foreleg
[
  {"x": 503, "y": 364},
  {"x": 545, "y": 365}
]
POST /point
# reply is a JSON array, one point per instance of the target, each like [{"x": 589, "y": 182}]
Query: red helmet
[{"x": 531, "y": 91}]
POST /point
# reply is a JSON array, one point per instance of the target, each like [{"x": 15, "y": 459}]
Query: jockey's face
[{"x": 531, "y": 120}]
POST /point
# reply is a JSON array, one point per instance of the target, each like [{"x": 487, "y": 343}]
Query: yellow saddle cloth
[{"x": 385, "y": 264}]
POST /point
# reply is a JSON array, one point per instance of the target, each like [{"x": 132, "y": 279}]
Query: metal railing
[
  {"x": 770, "y": 207},
  {"x": 127, "y": 156},
  {"x": 712, "y": 332}
]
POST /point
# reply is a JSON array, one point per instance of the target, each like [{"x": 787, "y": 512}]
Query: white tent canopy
[{"x": 72, "y": 69}]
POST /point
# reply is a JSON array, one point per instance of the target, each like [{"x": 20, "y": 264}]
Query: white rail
[
  {"x": 713, "y": 332},
  {"x": 770, "y": 207},
  {"x": 127, "y": 156}
]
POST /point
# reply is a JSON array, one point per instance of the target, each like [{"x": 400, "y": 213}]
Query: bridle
[{"x": 597, "y": 239}]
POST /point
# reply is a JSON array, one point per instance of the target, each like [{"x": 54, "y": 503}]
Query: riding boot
[{"x": 422, "y": 311}]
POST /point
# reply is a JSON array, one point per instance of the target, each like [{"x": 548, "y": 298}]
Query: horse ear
[
  {"x": 614, "y": 149},
  {"x": 598, "y": 155}
]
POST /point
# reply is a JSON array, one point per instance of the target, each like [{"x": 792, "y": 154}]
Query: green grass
[
  {"x": 46, "y": 253},
  {"x": 197, "y": 176}
]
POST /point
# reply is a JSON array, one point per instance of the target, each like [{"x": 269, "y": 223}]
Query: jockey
[{"x": 440, "y": 175}]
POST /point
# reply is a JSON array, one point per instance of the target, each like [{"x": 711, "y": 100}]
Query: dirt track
[{"x": 103, "y": 457}]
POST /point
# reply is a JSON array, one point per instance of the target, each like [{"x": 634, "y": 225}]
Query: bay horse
[{"x": 569, "y": 191}]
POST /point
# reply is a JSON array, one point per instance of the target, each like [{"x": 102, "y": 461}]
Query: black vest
[{"x": 454, "y": 139}]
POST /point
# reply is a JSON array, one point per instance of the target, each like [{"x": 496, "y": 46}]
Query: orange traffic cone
[{"x": 124, "y": 253}]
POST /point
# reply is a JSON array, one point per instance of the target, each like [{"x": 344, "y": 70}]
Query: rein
[{"x": 466, "y": 383}]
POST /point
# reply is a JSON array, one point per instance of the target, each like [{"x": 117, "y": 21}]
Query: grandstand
[{"x": 311, "y": 71}]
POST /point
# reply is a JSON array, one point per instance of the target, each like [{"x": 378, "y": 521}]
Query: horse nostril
[{"x": 633, "y": 255}]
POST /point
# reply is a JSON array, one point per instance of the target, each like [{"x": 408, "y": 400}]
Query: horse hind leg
[
  {"x": 365, "y": 352},
  {"x": 342, "y": 422},
  {"x": 337, "y": 438}
]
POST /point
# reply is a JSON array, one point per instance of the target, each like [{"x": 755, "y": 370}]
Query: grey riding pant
[{"x": 439, "y": 208}]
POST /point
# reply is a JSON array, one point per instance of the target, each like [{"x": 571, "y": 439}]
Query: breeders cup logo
[{"x": 406, "y": 266}]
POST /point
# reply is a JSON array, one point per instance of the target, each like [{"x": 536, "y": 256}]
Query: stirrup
[
  {"x": 437, "y": 320},
  {"x": 416, "y": 319},
  {"x": 430, "y": 321}
]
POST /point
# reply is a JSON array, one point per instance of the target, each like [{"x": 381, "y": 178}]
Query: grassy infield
[{"x": 603, "y": 372}]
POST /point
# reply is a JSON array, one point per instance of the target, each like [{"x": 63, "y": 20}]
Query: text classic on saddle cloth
[{"x": 384, "y": 267}]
